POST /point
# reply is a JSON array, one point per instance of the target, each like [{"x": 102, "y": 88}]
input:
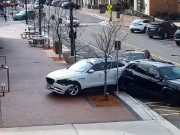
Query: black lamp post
[
  {"x": 26, "y": 17},
  {"x": 40, "y": 17}
]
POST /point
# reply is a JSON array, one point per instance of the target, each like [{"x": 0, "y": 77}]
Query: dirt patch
[
  {"x": 100, "y": 101},
  {"x": 57, "y": 58}
]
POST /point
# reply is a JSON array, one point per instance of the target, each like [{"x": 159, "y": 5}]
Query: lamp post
[
  {"x": 71, "y": 32},
  {"x": 40, "y": 18},
  {"x": 26, "y": 17}
]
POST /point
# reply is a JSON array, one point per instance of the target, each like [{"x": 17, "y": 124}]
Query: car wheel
[
  {"x": 150, "y": 36},
  {"x": 73, "y": 90},
  {"x": 130, "y": 88},
  {"x": 132, "y": 31},
  {"x": 144, "y": 31},
  {"x": 168, "y": 97},
  {"x": 177, "y": 43}
]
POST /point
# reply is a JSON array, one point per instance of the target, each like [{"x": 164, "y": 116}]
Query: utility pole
[
  {"x": 26, "y": 17},
  {"x": 71, "y": 32},
  {"x": 40, "y": 17}
]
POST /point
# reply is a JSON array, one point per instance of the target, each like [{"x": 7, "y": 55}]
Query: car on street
[
  {"x": 56, "y": 2},
  {"x": 84, "y": 74},
  {"x": 177, "y": 37},
  {"x": 139, "y": 25},
  {"x": 22, "y": 15},
  {"x": 75, "y": 21},
  {"x": 131, "y": 55},
  {"x": 158, "y": 78},
  {"x": 163, "y": 29}
]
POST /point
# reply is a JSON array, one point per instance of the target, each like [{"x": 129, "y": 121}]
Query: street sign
[
  {"x": 109, "y": 8},
  {"x": 117, "y": 45}
]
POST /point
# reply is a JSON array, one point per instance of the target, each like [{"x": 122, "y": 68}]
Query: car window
[
  {"x": 98, "y": 66},
  {"x": 146, "y": 21},
  {"x": 170, "y": 73},
  {"x": 132, "y": 66},
  {"x": 141, "y": 69},
  {"x": 153, "y": 72}
]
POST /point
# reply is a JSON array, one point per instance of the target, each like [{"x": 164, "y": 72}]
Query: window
[
  {"x": 132, "y": 66},
  {"x": 142, "y": 69},
  {"x": 98, "y": 66},
  {"x": 146, "y": 21},
  {"x": 153, "y": 72}
]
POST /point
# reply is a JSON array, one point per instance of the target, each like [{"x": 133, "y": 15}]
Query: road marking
[
  {"x": 159, "y": 109},
  {"x": 137, "y": 48},
  {"x": 170, "y": 114},
  {"x": 153, "y": 102},
  {"x": 163, "y": 106}
]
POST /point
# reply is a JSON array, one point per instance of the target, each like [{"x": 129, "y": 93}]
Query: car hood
[
  {"x": 63, "y": 73},
  {"x": 174, "y": 83}
]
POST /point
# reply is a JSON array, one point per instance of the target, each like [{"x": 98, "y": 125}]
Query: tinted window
[
  {"x": 114, "y": 64},
  {"x": 170, "y": 73},
  {"x": 132, "y": 66},
  {"x": 98, "y": 66},
  {"x": 146, "y": 21},
  {"x": 142, "y": 69},
  {"x": 153, "y": 72}
]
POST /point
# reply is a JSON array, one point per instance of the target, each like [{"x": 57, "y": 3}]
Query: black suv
[
  {"x": 177, "y": 37},
  {"x": 158, "y": 78},
  {"x": 163, "y": 29}
]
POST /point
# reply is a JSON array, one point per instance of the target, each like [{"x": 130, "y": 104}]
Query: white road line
[
  {"x": 153, "y": 102},
  {"x": 166, "y": 114},
  {"x": 166, "y": 110},
  {"x": 154, "y": 105}
]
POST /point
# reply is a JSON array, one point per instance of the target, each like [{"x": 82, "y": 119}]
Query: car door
[
  {"x": 95, "y": 78},
  {"x": 154, "y": 83},
  {"x": 112, "y": 71}
]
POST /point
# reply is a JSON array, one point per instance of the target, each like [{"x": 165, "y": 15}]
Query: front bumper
[
  {"x": 60, "y": 89},
  {"x": 136, "y": 28}
]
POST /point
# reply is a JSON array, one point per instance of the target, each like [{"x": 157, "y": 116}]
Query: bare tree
[{"x": 105, "y": 38}]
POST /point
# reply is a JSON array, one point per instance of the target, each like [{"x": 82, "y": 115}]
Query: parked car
[
  {"x": 48, "y": 2},
  {"x": 159, "y": 78},
  {"x": 139, "y": 25},
  {"x": 75, "y": 21},
  {"x": 177, "y": 37},
  {"x": 22, "y": 15},
  {"x": 164, "y": 29},
  {"x": 64, "y": 4},
  {"x": 131, "y": 55},
  {"x": 85, "y": 73},
  {"x": 56, "y": 2}
]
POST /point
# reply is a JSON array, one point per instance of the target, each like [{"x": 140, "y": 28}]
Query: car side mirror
[{"x": 91, "y": 71}]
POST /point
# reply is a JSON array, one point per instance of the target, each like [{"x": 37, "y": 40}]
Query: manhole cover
[{"x": 100, "y": 101}]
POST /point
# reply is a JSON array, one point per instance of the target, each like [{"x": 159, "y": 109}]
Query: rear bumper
[{"x": 153, "y": 33}]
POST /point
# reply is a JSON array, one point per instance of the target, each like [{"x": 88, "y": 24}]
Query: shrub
[{"x": 88, "y": 6}]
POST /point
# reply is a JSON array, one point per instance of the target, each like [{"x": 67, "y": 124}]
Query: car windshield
[
  {"x": 81, "y": 66},
  {"x": 170, "y": 73},
  {"x": 132, "y": 56}
]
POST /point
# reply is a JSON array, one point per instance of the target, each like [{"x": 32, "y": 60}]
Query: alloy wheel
[{"x": 73, "y": 90}]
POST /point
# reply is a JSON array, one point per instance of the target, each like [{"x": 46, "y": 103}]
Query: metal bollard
[{"x": 3, "y": 88}]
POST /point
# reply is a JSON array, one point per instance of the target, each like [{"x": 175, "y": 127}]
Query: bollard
[{"x": 3, "y": 88}]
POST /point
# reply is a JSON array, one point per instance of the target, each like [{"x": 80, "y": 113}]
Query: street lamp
[{"x": 26, "y": 17}]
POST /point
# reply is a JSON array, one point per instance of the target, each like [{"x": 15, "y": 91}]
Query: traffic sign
[{"x": 109, "y": 7}]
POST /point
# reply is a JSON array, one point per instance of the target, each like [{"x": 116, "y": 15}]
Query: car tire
[
  {"x": 74, "y": 89},
  {"x": 144, "y": 31},
  {"x": 178, "y": 43},
  {"x": 150, "y": 36},
  {"x": 168, "y": 97},
  {"x": 132, "y": 31}
]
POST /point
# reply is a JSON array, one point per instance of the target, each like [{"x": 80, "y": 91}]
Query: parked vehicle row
[
  {"x": 163, "y": 29},
  {"x": 136, "y": 75}
]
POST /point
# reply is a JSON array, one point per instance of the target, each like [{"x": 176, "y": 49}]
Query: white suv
[
  {"x": 139, "y": 25},
  {"x": 83, "y": 74}
]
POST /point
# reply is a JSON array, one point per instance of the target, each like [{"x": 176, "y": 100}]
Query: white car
[
  {"x": 75, "y": 21},
  {"x": 139, "y": 25},
  {"x": 86, "y": 73}
]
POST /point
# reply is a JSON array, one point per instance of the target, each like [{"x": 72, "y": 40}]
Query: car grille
[{"x": 50, "y": 80}]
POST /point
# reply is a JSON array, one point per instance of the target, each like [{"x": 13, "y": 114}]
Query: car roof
[
  {"x": 96, "y": 60},
  {"x": 133, "y": 51},
  {"x": 156, "y": 63}
]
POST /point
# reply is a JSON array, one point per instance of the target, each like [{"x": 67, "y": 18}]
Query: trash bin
[
  {"x": 118, "y": 14},
  {"x": 57, "y": 47},
  {"x": 102, "y": 9}
]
